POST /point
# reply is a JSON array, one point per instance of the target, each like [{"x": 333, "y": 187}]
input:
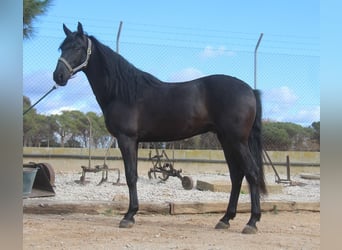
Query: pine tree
[{"x": 32, "y": 9}]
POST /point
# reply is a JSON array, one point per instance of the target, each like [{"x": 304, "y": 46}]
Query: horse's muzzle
[{"x": 60, "y": 76}]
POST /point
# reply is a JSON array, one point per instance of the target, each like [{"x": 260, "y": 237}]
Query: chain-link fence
[{"x": 289, "y": 82}]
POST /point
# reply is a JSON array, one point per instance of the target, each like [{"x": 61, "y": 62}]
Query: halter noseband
[{"x": 82, "y": 65}]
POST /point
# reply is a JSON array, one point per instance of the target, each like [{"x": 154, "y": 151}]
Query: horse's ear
[
  {"x": 66, "y": 30},
  {"x": 80, "y": 28}
]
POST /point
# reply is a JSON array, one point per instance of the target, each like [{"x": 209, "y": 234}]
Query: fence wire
[{"x": 288, "y": 82}]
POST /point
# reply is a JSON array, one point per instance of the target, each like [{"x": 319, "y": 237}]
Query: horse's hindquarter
[
  {"x": 226, "y": 94},
  {"x": 231, "y": 104}
]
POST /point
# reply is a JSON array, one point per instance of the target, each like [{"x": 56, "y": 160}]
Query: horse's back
[{"x": 226, "y": 85}]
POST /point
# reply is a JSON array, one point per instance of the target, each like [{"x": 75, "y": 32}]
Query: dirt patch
[{"x": 277, "y": 230}]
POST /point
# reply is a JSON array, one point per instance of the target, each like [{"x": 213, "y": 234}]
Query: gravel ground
[
  {"x": 171, "y": 190},
  {"x": 283, "y": 230}
]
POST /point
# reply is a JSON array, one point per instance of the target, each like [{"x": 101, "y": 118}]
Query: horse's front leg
[{"x": 128, "y": 147}]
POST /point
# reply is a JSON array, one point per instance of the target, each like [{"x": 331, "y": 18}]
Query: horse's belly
[{"x": 173, "y": 129}]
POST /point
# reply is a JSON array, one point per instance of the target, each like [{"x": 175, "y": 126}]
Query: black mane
[{"x": 124, "y": 79}]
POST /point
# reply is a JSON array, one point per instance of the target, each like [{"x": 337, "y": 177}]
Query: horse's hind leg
[
  {"x": 241, "y": 163},
  {"x": 252, "y": 175},
  {"x": 236, "y": 176},
  {"x": 251, "y": 228}
]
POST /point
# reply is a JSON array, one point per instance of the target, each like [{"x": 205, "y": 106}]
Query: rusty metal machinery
[
  {"x": 99, "y": 168},
  {"x": 163, "y": 168}
]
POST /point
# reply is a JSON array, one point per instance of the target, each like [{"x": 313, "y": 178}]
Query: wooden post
[{"x": 288, "y": 168}]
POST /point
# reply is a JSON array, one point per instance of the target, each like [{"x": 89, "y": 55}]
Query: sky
[{"x": 182, "y": 40}]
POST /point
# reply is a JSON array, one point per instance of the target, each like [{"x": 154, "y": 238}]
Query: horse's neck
[{"x": 97, "y": 79}]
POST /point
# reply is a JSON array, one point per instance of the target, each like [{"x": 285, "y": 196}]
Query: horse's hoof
[
  {"x": 222, "y": 225},
  {"x": 250, "y": 230},
  {"x": 126, "y": 223}
]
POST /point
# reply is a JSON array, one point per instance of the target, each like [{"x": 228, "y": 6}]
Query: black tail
[{"x": 255, "y": 142}]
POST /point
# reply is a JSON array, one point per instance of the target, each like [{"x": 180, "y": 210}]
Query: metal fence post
[
  {"x": 118, "y": 37},
  {"x": 255, "y": 59}
]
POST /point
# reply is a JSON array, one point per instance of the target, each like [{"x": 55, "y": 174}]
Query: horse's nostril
[{"x": 60, "y": 77}]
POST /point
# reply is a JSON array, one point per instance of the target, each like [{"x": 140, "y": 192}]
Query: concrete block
[{"x": 222, "y": 186}]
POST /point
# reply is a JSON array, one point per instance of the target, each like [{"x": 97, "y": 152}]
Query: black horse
[{"x": 140, "y": 108}]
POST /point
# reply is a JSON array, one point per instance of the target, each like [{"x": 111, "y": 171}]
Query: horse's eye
[{"x": 75, "y": 46}]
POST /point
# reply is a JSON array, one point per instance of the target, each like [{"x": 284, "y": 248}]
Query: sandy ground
[{"x": 281, "y": 230}]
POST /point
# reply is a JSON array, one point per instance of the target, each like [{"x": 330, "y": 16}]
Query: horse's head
[{"x": 76, "y": 50}]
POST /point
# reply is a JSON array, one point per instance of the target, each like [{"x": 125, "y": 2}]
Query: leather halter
[{"x": 82, "y": 65}]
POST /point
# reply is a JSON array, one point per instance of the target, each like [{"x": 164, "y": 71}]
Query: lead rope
[{"x": 53, "y": 88}]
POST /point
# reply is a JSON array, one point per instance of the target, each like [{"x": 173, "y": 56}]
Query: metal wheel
[{"x": 187, "y": 182}]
